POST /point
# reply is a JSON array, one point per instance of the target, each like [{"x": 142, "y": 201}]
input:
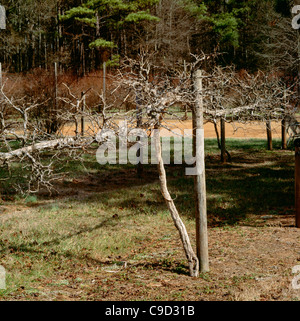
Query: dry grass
[{"x": 108, "y": 235}]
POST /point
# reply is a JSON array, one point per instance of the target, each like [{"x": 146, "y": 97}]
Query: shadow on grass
[
  {"x": 256, "y": 182},
  {"x": 263, "y": 185}
]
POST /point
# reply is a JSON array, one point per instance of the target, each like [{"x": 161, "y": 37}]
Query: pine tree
[{"x": 104, "y": 22}]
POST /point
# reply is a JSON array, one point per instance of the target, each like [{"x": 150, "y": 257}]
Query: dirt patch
[
  {"x": 247, "y": 263},
  {"x": 233, "y": 130}
]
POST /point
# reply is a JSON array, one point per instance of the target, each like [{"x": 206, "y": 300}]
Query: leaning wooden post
[
  {"x": 199, "y": 179},
  {"x": 297, "y": 181}
]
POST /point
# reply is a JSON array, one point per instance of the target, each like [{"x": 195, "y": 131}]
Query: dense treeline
[{"x": 81, "y": 34}]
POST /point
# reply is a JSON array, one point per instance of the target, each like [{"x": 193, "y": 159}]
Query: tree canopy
[{"x": 80, "y": 35}]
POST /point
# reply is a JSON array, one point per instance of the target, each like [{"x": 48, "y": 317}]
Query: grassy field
[{"x": 107, "y": 235}]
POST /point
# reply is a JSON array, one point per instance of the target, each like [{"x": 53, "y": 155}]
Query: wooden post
[
  {"x": 185, "y": 106},
  {"x": 103, "y": 87},
  {"x": 104, "y": 80},
  {"x": 297, "y": 181},
  {"x": 1, "y": 84},
  {"x": 199, "y": 180},
  {"x": 82, "y": 116},
  {"x": 2, "y": 17},
  {"x": 54, "y": 110},
  {"x": 283, "y": 134},
  {"x": 189, "y": 252},
  {"x": 56, "y": 90},
  {"x": 223, "y": 141},
  {"x": 139, "y": 122},
  {"x": 1, "y": 81},
  {"x": 269, "y": 135}
]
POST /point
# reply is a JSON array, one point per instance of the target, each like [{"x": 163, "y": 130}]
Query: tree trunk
[
  {"x": 269, "y": 135},
  {"x": 283, "y": 134},
  {"x": 190, "y": 255},
  {"x": 219, "y": 142},
  {"x": 217, "y": 134},
  {"x": 223, "y": 141}
]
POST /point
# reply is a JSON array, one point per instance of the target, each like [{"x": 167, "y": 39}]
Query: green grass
[{"x": 42, "y": 237}]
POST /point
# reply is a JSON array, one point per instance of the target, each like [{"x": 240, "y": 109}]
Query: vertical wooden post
[
  {"x": 269, "y": 135},
  {"x": 82, "y": 116},
  {"x": 103, "y": 86},
  {"x": 1, "y": 81},
  {"x": 284, "y": 128},
  {"x": 104, "y": 80},
  {"x": 223, "y": 141},
  {"x": 199, "y": 180},
  {"x": 283, "y": 134},
  {"x": 2, "y": 17},
  {"x": 297, "y": 181},
  {"x": 185, "y": 106},
  {"x": 139, "y": 122},
  {"x": 1, "y": 84},
  {"x": 55, "y": 90}
]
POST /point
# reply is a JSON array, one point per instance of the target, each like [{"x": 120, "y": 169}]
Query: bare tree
[
  {"x": 225, "y": 94},
  {"x": 157, "y": 94},
  {"x": 24, "y": 138},
  {"x": 240, "y": 97}
]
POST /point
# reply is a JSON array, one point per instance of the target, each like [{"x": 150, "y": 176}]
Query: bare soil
[
  {"x": 247, "y": 263},
  {"x": 233, "y": 130}
]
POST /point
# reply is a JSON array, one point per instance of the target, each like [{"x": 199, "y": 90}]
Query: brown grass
[{"x": 108, "y": 236}]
